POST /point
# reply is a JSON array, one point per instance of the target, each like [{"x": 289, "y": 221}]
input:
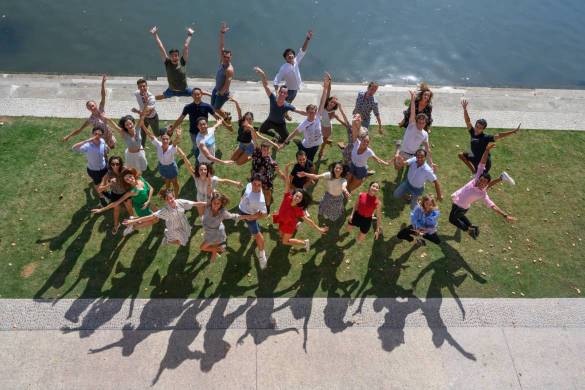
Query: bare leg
[
  {"x": 145, "y": 224},
  {"x": 494, "y": 183},
  {"x": 236, "y": 154},
  {"x": 288, "y": 240},
  {"x": 206, "y": 247},
  {"x": 129, "y": 209},
  {"x": 467, "y": 162},
  {"x": 267, "y": 196},
  {"x": 361, "y": 236},
  {"x": 175, "y": 183},
  {"x": 260, "y": 241},
  {"x": 354, "y": 183},
  {"x": 116, "y": 220}
]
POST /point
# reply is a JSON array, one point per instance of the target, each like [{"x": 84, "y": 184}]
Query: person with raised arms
[
  {"x": 247, "y": 136},
  {"x": 223, "y": 78},
  {"x": 146, "y": 104},
  {"x": 311, "y": 126},
  {"x": 366, "y": 103},
  {"x": 278, "y": 109},
  {"x": 206, "y": 142},
  {"x": 95, "y": 150},
  {"x": 474, "y": 190},
  {"x": 289, "y": 73},
  {"x": 329, "y": 113},
  {"x": 166, "y": 151},
  {"x": 292, "y": 208},
  {"x": 414, "y": 136},
  {"x": 478, "y": 143},
  {"x": 175, "y": 66},
  {"x": 96, "y": 119},
  {"x": 253, "y": 203},
  {"x": 177, "y": 227},
  {"x": 360, "y": 154},
  {"x": 132, "y": 136}
]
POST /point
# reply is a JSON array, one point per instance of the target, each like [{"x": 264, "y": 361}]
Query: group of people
[{"x": 118, "y": 181}]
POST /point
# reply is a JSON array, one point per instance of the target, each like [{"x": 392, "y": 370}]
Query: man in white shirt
[
  {"x": 419, "y": 172},
  {"x": 289, "y": 73},
  {"x": 146, "y": 101},
  {"x": 414, "y": 136},
  {"x": 254, "y": 203}
]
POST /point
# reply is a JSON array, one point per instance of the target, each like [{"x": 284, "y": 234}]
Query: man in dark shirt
[
  {"x": 175, "y": 66},
  {"x": 195, "y": 110},
  {"x": 302, "y": 165},
  {"x": 479, "y": 141},
  {"x": 278, "y": 108}
]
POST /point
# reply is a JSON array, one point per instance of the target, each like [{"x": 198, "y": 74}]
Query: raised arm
[
  {"x": 343, "y": 120},
  {"x": 256, "y": 135},
  {"x": 229, "y": 181},
  {"x": 103, "y": 94},
  {"x": 76, "y": 131},
  {"x": 161, "y": 48},
  {"x": 307, "y": 39},
  {"x": 290, "y": 136},
  {"x": 486, "y": 153},
  {"x": 78, "y": 145},
  {"x": 427, "y": 146},
  {"x": 238, "y": 108},
  {"x": 264, "y": 80},
  {"x": 325, "y": 93},
  {"x": 311, "y": 176},
  {"x": 505, "y": 134},
  {"x": 287, "y": 178},
  {"x": 178, "y": 122},
  {"x": 501, "y": 212},
  {"x": 380, "y": 161},
  {"x": 138, "y": 221},
  {"x": 222, "y": 30},
  {"x": 178, "y": 133},
  {"x": 113, "y": 124},
  {"x": 464, "y": 104},
  {"x": 412, "y": 117},
  {"x": 438, "y": 190},
  {"x": 186, "y": 161},
  {"x": 187, "y": 43}
]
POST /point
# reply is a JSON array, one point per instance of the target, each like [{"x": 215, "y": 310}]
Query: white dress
[{"x": 177, "y": 226}]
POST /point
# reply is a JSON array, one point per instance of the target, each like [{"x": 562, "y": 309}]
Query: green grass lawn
[{"x": 52, "y": 246}]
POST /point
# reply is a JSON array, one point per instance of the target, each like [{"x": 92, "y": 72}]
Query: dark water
[{"x": 525, "y": 43}]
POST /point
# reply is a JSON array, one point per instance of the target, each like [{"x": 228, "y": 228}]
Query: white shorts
[{"x": 136, "y": 160}]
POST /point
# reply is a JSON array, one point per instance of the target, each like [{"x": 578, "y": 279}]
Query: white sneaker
[
  {"x": 262, "y": 260},
  {"x": 507, "y": 178},
  {"x": 129, "y": 229},
  {"x": 307, "y": 245}
]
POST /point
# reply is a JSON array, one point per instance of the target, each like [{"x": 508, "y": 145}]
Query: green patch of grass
[{"x": 53, "y": 247}]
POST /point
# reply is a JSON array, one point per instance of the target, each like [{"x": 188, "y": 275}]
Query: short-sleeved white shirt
[
  {"x": 417, "y": 176},
  {"x": 164, "y": 157},
  {"x": 311, "y": 130},
  {"x": 252, "y": 202},
  {"x": 360, "y": 160},
  {"x": 201, "y": 186},
  {"x": 413, "y": 138},
  {"x": 334, "y": 186}
]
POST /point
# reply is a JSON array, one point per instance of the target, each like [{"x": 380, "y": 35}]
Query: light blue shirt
[
  {"x": 96, "y": 155},
  {"x": 420, "y": 220},
  {"x": 418, "y": 175}
]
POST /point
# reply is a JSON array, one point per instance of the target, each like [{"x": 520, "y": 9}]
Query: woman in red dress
[
  {"x": 363, "y": 211},
  {"x": 292, "y": 208}
]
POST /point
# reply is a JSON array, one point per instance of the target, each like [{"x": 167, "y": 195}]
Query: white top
[
  {"x": 209, "y": 141},
  {"x": 312, "y": 135},
  {"x": 290, "y": 74},
  {"x": 413, "y": 138},
  {"x": 334, "y": 186},
  {"x": 165, "y": 158},
  {"x": 177, "y": 225},
  {"x": 418, "y": 175},
  {"x": 325, "y": 118},
  {"x": 149, "y": 101},
  {"x": 252, "y": 202},
  {"x": 201, "y": 186},
  {"x": 360, "y": 160}
]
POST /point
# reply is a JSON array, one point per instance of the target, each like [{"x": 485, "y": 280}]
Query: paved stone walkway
[{"x": 65, "y": 97}]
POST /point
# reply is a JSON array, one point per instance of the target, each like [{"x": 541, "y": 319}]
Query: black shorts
[
  {"x": 364, "y": 223},
  {"x": 279, "y": 127},
  {"x": 476, "y": 160},
  {"x": 112, "y": 196},
  {"x": 97, "y": 176}
]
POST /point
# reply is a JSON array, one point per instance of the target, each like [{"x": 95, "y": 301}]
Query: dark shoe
[
  {"x": 103, "y": 202},
  {"x": 474, "y": 232}
]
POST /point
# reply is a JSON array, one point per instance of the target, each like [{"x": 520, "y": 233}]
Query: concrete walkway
[
  {"x": 376, "y": 343},
  {"x": 292, "y": 344},
  {"x": 65, "y": 97}
]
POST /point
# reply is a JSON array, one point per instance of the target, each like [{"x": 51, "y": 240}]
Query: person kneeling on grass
[
  {"x": 363, "y": 211},
  {"x": 214, "y": 236},
  {"x": 177, "y": 227},
  {"x": 140, "y": 193},
  {"x": 424, "y": 220},
  {"x": 474, "y": 190},
  {"x": 294, "y": 203}
]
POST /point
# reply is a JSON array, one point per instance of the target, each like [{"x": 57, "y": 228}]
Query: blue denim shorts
[
  {"x": 170, "y": 93},
  {"x": 247, "y": 148},
  {"x": 168, "y": 172},
  {"x": 253, "y": 226},
  {"x": 358, "y": 172},
  {"x": 217, "y": 101}
]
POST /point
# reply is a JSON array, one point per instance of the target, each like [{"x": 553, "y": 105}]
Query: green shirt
[
  {"x": 140, "y": 198},
  {"x": 177, "y": 74}
]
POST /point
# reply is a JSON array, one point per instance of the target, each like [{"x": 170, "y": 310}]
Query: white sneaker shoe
[
  {"x": 507, "y": 178},
  {"x": 129, "y": 229},
  {"x": 307, "y": 245},
  {"x": 262, "y": 260}
]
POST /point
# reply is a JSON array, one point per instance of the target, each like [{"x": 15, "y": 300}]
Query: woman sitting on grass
[
  {"x": 292, "y": 208},
  {"x": 363, "y": 212},
  {"x": 112, "y": 186},
  {"x": 140, "y": 194},
  {"x": 247, "y": 136},
  {"x": 165, "y": 152},
  {"x": 423, "y": 222},
  {"x": 177, "y": 227},
  {"x": 205, "y": 181},
  {"x": 331, "y": 206}
]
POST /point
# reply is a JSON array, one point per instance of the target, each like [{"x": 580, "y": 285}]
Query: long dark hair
[
  {"x": 343, "y": 172},
  {"x": 306, "y": 201}
]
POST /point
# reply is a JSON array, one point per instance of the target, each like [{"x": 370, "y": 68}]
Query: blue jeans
[
  {"x": 217, "y": 101},
  {"x": 405, "y": 188},
  {"x": 292, "y": 94},
  {"x": 170, "y": 93}
]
